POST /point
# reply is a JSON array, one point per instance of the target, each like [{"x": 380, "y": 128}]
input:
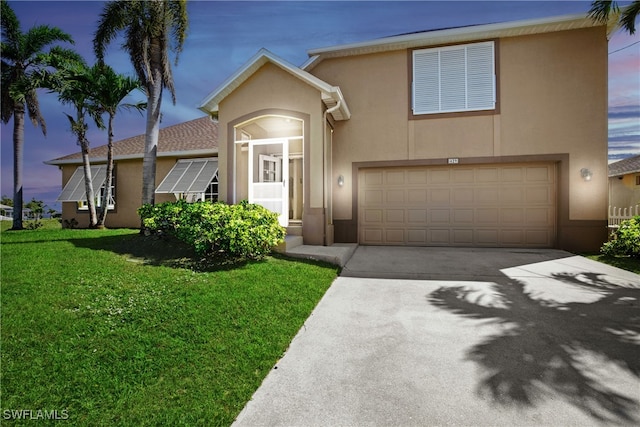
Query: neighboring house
[
  {"x": 187, "y": 167},
  {"x": 490, "y": 135},
  {"x": 624, "y": 182}
]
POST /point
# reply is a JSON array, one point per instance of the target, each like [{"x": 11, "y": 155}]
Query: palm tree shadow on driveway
[{"x": 549, "y": 347}]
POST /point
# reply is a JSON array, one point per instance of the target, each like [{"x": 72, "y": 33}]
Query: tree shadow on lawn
[
  {"x": 160, "y": 251},
  {"x": 170, "y": 252},
  {"x": 548, "y": 345}
]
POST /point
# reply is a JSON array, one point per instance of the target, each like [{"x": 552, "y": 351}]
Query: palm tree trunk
[
  {"x": 154, "y": 98},
  {"x": 18, "y": 160},
  {"x": 104, "y": 205},
  {"x": 88, "y": 181}
]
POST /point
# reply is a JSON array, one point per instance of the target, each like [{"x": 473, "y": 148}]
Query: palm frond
[
  {"x": 601, "y": 10},
  {"x": 628, "y": 17},
  {"x": 10, "y": 24},
  {"x": 113, "y": 19}
]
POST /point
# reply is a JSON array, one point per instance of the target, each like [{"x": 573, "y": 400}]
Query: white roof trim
[
  {"x": 330, "y": 94},
  {"x": 182, "y": 153},
  {"x": 452, "y": 35}
]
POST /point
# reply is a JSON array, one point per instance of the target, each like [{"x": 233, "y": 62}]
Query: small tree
[
  {"x": 76, "y": 86},
  {"x": 36, "y": 208},
  {"x": 110, "y": 89}
]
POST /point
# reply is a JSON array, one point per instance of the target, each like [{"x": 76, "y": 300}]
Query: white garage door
[{"x": 489, "y": 205}]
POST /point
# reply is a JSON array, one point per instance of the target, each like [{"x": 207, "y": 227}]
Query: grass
[
  {"x": 623, "y": 262},
  {"x": 118, "y": 329}
]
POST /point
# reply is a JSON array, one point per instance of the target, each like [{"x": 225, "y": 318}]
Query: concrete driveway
[{"x": 462, "y": 337}]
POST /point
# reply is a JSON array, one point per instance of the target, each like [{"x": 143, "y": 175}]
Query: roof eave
[
  {"x": 453, "y": 35},
  {"x": 180, "y": 153}
]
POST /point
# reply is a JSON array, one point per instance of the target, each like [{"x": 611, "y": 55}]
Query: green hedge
[
  {"x": 244, "y": 230},
  {"x": 626, "y": 239}
]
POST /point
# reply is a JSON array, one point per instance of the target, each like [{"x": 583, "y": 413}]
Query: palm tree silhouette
[{"x": 549, "y": 347}]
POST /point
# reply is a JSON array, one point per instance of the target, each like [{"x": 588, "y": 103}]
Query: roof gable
[
  {"x": 195, "y": 137},
  {"x": 331, "y": 95}
]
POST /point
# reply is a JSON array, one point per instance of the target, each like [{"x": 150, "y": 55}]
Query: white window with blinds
[{"x": 454, "y": 79}]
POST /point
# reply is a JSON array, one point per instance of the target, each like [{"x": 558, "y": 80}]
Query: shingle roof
[
  {"x": 625, "y": 166},
  {"x": 199, "y": 136}
]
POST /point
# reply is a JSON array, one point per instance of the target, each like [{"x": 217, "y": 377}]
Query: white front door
[{"x": 268, "y": 179}]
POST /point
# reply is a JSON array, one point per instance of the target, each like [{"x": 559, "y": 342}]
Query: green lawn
[{"x": 118, "y": 329}]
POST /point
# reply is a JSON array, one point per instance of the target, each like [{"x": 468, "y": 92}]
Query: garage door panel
[
  {"x": 372, "y": 216},
  {"x": 461, "y": 216},
  {"x": 395, "y": 236},
  {"x": 372, "y": 197},
  {"x": 463, "y": 176},
  {"x": 538, "y": 195},
  {"x": 438, "y": 176},
  {"x": 462, "y": 196},
  {"x": 417, "y": 216},
  {"x": 486, "y": 205},
  {"x": 395, "y": 195},
  {"x": 417, "y": 237},
  {"x": 395, "y": 215},
  {"x": 487, "y": 216},
  {"x": 416, "y": 196},
  {"x": 439, "y": 216},
  {"x": 487, "y": 237},
  {"x": 463, "y": 237},
  {"x": 439, "y": 196},
  {"x": 417, "y": 177},
  {"x": 488, "y": 175}
]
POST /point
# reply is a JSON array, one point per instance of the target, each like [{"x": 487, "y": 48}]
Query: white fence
[{"x": 617, "y": 215}]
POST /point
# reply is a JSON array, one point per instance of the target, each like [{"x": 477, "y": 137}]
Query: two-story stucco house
[
  {"x": 490, "y": 135},
  {"x": 187, "y": 167}
]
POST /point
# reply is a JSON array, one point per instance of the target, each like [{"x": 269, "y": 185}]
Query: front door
[{"x": 268, "y": 179}]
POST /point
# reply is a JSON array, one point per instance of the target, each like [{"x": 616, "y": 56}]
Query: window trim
[{"x": 461, "y": 113}]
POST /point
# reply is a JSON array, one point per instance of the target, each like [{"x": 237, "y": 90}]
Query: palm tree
[
  {"x": 110, "y": 90},
  {"x": 25, "y": 68},
  {"x": 601, "y": 11},
  {"x": 151, "y": 29},
  {"x": 76, "y": 86}
]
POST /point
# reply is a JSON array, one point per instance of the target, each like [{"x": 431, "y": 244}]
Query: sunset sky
[{"x": 224, "y": 35}]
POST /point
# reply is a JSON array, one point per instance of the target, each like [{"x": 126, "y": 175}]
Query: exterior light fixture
[
  {"x": 340, "y": 181},
  {"x": 586, "y": 174}
]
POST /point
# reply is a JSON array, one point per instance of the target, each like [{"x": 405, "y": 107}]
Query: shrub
[
  {"x": 244, "y": 230},
  {"x": 626, "y": 239}
]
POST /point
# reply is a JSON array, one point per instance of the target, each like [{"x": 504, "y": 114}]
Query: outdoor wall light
[
  {"x": 340, "y": 181},
  {"x": 586, "y": 174}
]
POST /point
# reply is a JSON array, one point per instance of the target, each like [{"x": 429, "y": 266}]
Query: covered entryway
[
  {"x": 269, "y": 149},
  {"x": 507, "y": 205}
]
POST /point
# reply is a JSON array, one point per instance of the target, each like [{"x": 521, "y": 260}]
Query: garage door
[{"x": 489, "y": 205}]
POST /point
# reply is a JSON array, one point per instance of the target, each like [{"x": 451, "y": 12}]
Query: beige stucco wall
[
  {"x": 272, "y": 88},
  {"x": 128, "y": 193},
  {"x": 623, "y": 191},
  {"x": 552, "y": 93}
]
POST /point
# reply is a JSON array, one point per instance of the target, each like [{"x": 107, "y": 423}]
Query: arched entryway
[{"x": 269, "y": 163}]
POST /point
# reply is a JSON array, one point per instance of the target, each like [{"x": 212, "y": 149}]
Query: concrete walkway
[{"x": 536, "y": 338}]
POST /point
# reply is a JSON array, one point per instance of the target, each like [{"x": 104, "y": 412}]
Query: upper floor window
[{"x": 454, "y": 79}]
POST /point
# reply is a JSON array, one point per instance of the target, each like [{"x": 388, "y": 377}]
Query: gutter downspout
[{"x": 324, "y": 164}]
